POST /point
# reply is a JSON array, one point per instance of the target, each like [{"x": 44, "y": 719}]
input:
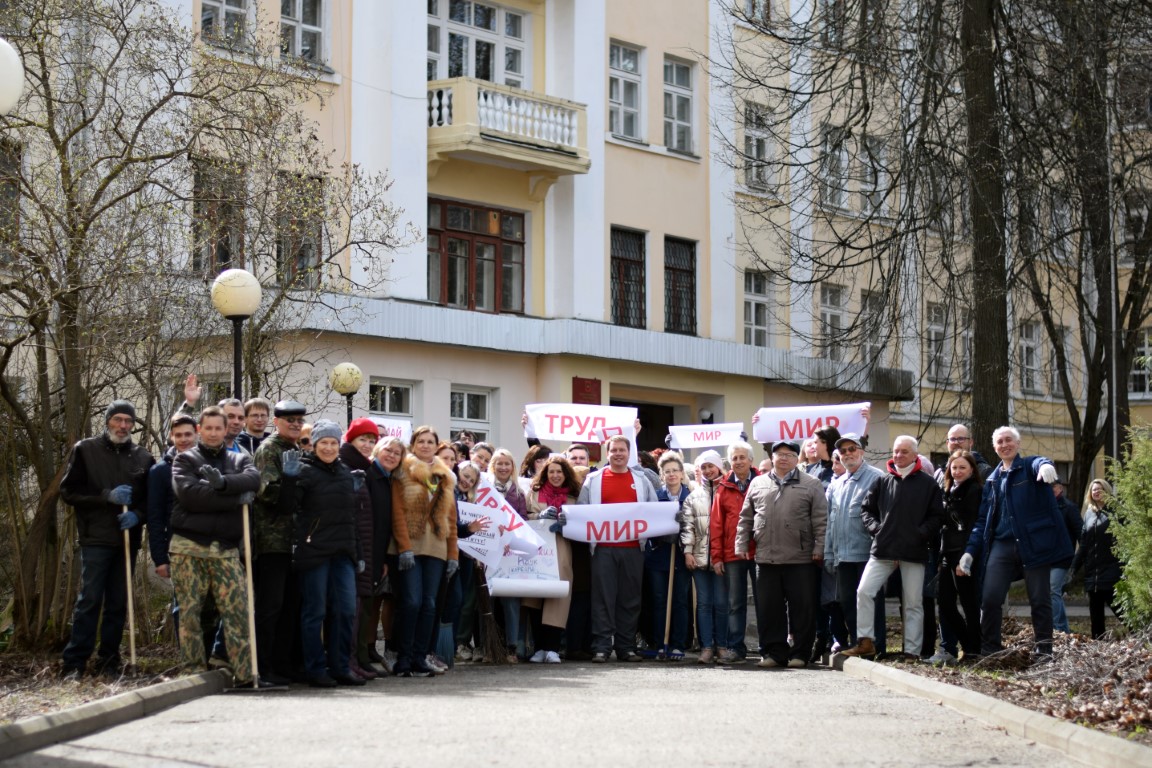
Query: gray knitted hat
[{"x": 325, "y": 428}]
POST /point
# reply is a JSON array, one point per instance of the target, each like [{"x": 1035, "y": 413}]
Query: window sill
[
  {"x": 765, "y": 192},
  {"x": 656, "y": 149}
]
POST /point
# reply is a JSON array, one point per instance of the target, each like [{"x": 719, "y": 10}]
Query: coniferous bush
[{"x": 1133, "y": 484}]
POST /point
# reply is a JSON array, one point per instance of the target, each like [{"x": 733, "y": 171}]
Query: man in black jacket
[
  {"x": 211, "y": 485},
  {"x": 903, "y": 512},
  {"x": 106, "y": 483}
]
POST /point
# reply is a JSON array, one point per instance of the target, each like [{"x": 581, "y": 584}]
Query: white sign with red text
[
  {"x": 507, "y": 521},
  {"x": 799, "y": 422},
  {"x": 580, "y": 423},
  {"x": 619, "y": 523},
  {"x": 530, "y": 575},
  {"x": 401, "y": 428},
  {"x": 485, "y": 547},
  {"x": 705, "y": 435}
]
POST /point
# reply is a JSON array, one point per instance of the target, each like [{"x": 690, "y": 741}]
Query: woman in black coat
[
  {"x": 1097, "y": 556},
  {"x": 356, "y": 452},
  {"x": 962, "y": 492}
]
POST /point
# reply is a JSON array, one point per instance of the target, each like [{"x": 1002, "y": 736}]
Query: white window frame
[
  {"x": 299, "y": 28},
  {"x": 481, "y": 427},
  {"x": 759, "y": 148},
  {"x": 936, "y": 342},
  {"x": 677, "y": 94},
  {"x": 388, "y": 384},
  {"x": 757, "y": 12},
  {"x": 620, "y": 78},
  {"x": 1140, "y": 377},
  {"x": 1060, "y": 214},
  {"x": 1029, "y": 357},
  {"x": 835, "y": 169},
  {"x": 758, "y": 290},
  {"x": 443, "y": 27},
  {"x": 236, "y": 9},
  {"x": 872, "y": 320},
  {"x": 832, "y": 315}
]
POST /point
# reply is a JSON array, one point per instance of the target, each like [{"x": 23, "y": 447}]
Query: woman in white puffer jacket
[{"x": 711, "y": 588}]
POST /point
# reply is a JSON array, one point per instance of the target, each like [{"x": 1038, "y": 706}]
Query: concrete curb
[
  {"x": 37, "y": 732},
  {"x": 1080, "y": 743}
]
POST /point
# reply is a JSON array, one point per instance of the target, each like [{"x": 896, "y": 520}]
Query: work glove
[
  {"x": 127, "y": 520},
  {"x": 407, "y": 559},
  {"x": 290, "y": 463},
  {"x": 360, "y": 566},
  {"x": 452, "y": 566},
  {"x": 550, "y": 513},
  {"x": 1047, "y": 474},
  {"x": 213, "y": 476},
  {"x": 357, "y": 480},
  {"x": 966, "y": 564},
  {"x": 680, "y": 517},
  {"x": 668, "y": 440},
  {"x": 743, "y": 435},
  {"x": 247, "y": 497},
  {"x": 561, "y": 521},
  {"x": 121, "y": 495}
]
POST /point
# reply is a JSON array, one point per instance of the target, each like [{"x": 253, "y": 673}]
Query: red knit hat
[{"x": 361, "y": 426}]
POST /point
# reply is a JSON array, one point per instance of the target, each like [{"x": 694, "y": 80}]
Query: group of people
[{"x": 354, "y": 536}]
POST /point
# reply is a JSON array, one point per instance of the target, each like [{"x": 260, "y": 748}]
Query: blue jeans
[
  {"x": 681, "y": 599},
  {"x": 101, "y": 586},
  {"x": 1002, "y": 569},
  {"x": 738, "y": 572},
  {"x": 510, "y": 606},
  {"x": 328, "y": 589},
  {"x": 1056, "y": 587},
  {"x": 711, "y": 608},
  {"x": 418, "y": 587}
]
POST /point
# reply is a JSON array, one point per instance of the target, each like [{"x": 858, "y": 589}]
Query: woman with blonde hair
[
  {"x": 554, "y": 485},
  {"x": 503, "y": 470},
  {"x": 1097, "y": 556}
]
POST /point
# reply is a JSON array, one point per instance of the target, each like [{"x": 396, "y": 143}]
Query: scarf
[{"x": 551, "y": 496}]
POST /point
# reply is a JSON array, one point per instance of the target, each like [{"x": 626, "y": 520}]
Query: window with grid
[
  {"x": 831, "y": 320},
  {"x": 469, "y": 409},
  {"x": 679, "y": 286},
  {"x": 677, "y": 105},
  {"x": 1060, "y": 211},
  {"x": 757, "y": 294},
  {"x": 874, "y": 176},
  {"x": 1140, "y": 379},
  {"x": 481, "y": 40},
  {"x": 302, "y": 29},
  {"x": 625, "y": 86},
  {"x": 389, "y": 398},
  {"x": 834, "y": 168},
  {"x": 10, "y": 161},
  {"x": 224, "y": 21},
  {"x": 872, "y": 323},
  {"x": 1030, "y": 357},
  {"x": 758, "y": 12},
  {"x": 627, "y": 267},
  {"x": 217, "y": 216},
  {"x": 300, "y": 226},
  {"x": 935, "y": 343},
  {"x": 757, "y": 146},
  {"x": 475, "y": 257}
]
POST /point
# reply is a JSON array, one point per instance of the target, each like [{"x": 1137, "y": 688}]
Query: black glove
[
  {"x": 743, "y": 435},
  {"x": 680, "y": 517},
  {"x": 247, "y": 497},
  {"x": 213, "y": 476},
  {"x": 558, "y": 526},
  {"x": 550, "y": 513}
]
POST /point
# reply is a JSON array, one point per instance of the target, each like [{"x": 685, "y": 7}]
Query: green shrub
[{"x": 1133, "y": 484}]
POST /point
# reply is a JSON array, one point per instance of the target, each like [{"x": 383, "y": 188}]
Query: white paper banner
[
  {"x": 483, "y": 546},
  {"x": 579, "y": 423},
  {"x": 705, "y": 435},
  {"x": 520, "y": 536},
  {"x": 401, "y": 428},
  {"x": 799, "y": 422},
  {"x": 619, "y": 523},
  {"x": 530, "y": 575}
]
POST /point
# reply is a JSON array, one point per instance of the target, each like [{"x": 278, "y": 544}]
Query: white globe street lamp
[
  {"x": 11, "y": 77},
  {"x": 236, "y": 295},
  {"x": 346, "y": 379}
]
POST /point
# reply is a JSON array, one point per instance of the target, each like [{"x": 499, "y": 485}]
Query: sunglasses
[
  {"x": 293, "y": 419},
  {"x": 304, "y": 441}
]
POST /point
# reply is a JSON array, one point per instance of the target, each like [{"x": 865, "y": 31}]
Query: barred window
[
  {"x": 679, "y": 286},
  {"x": 627, "y": 266}
]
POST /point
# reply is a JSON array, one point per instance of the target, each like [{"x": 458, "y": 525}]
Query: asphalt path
[{"x": 652, "y": 714}]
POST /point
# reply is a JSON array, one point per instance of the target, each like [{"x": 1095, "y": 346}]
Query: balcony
[{"x": 484, "y": 122}]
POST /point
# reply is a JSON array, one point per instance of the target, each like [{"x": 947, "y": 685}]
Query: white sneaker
[
  {"x": 538, "y": 657},
  {"x": 551, "y": 657},
  {"x": 463, "y": 653},
  {"x": 435, "y": 664}
]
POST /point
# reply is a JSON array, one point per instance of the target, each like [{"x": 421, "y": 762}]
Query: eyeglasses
[
  {"x": 304, "y": 441},
  {"x": 959, "y": 439},
  {"x": 786, "y": 456}
]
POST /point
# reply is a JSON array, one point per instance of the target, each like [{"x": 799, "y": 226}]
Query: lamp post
[
  {"x": 236, "y": 295},
  {"x": 346, "y": 379},
  {"x": 11, "y": 77}
]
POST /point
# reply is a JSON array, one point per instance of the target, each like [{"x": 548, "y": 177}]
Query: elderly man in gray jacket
[
  {"x": 785, "y": 513},
  {"x": 848, "y": 543}
]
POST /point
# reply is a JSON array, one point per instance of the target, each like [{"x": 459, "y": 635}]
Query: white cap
[{"x": 710, "y": 457}]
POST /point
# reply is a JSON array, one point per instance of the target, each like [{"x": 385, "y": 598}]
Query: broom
[{"x": 495, "y": 652}]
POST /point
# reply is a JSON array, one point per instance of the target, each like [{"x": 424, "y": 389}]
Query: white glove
[
  {"x": 1047, "y": 474},
  {"x": 966, "y": 563}
]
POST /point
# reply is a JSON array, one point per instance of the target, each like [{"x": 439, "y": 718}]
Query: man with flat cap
[
  {"x": 106, "y": 483},
  {"x": 785, "y": 513},
  {"x": 277, "y": 597}
]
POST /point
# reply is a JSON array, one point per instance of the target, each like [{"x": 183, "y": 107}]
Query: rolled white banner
[{"x": 545, "y": 588}]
